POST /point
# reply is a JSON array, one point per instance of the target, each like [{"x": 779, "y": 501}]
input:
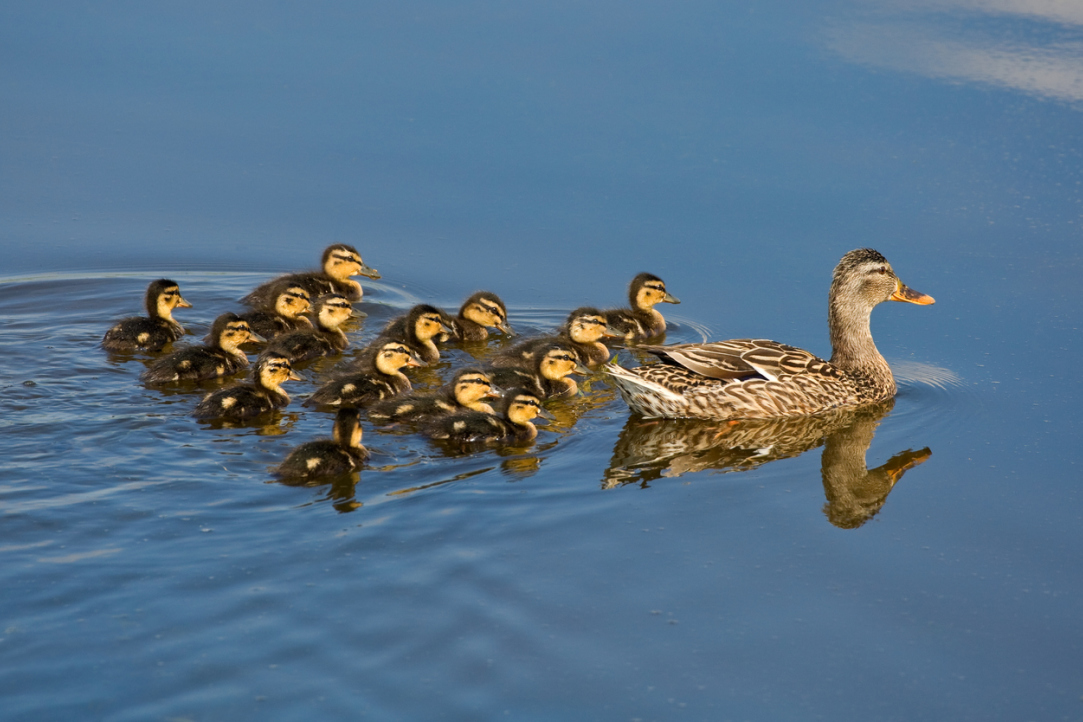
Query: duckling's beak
[
  {"x": 494, "y": 392},
  {"x": 670, "y": 298},
  {"x": 505, "y": 327},
  {"x": 545, "y": 414},
  {"x": 369, "y": 271},
  {"x": 444, "y": 328},
  {"x": 909, "y": 295},
  {"x": 581, "y": 369},
  {"x": 253, "y": 336},
  {"x": 181, "y": 303},
  {"x": 611, "y": 332},
  {"x": 415, "y": 362},
  {"x": 293, "y": 376},
  {"x": 355, "y": 313}
]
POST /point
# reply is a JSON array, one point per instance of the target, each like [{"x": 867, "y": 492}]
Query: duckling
[
  {"x": 480, "y": 312},
  {"x": 338, "y": 262},
  {"x": 548, "y": 377},
  {"x": 580, "y": 334},
  {"x": 465, "y": 392},
  {"x": 417, "y": 329},
  {"x": 220, "y": 356},
  {"x": 340, "y": 454},
  {"x": 641, "y": 320},
  {"x": 291, "y": 302},
  {"x": 380, "y": 377},
  {"x": 157, "y": 328},
  {"x": 330, "y": 311},
  {"x": 513, "y": 425},
  {"x": 244, "y": 401}
]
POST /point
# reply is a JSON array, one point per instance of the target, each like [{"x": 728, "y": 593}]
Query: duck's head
[
  {"x": 332, "y": 310},
  {"x": 426, "y": 322},
  {"x": 393, "y": 356},
  {"x": 162, "y": 297},
  {"x": 347, "y": 429},
  {"x": 863, "y": 279},
  {"x": 341, "y": 261},
  {"x": 486, "y": 309},
  {"x": 471, "y": 386},
  {"x": 272, "y": 370},
  {"x": 587, "y": 325},
  {"x": 646, "y": 291},
  {"x": 558, "y": 362},
  {"x": 229, "y": 331},
  {"x": 292, "y": 301},
  {"x": 521, "y": 406}
]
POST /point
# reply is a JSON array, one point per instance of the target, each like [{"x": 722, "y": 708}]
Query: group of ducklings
[{"x": 300, "y": 317}]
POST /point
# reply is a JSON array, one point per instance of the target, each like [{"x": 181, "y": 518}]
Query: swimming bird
[
  {"x": 157, "y": 328},
  {"x": 219, "y": 356},
  {"x": 466, "y": 391},
  {"x": 262, "y": 394},
  {"x": 581, "y": 333},
  {"x": 378, "y": 376},
  {"x": 756, "y": 378},
  {"x": 338, "y": 263},
  {"x": 480, "y": 312},
  {"x": 512, "y": 425},
  {"x": 642, "y": 320},
  {"x": 291, "y": 302},
  {"x": 548, "y": 377},
  {"x": 416, "y": 329},
  {"x": 331, "y": 311},
  {"x": 340, "y": 454}
]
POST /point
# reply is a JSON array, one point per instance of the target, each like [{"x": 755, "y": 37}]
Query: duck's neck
[{"x": 853, "y": 350}]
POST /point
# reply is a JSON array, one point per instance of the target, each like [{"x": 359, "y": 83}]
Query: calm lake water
[{"x": 616, "y": 569}]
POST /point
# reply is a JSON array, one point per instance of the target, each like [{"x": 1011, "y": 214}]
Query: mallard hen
[
  {"x": 157, "y": 328},
  {"x": 338, "y": 263},
  {"x": 756, "y": 378}
]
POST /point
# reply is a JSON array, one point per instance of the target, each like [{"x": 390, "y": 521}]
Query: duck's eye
[{"x": 881, "y": 270}]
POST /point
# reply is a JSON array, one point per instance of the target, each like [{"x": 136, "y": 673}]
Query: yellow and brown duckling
[
  {"x": 331, "y": 312},
  {"x": 261, "y": 395},
  {"x": 548, "y": 378},
  {"x": 157, "y": 328},
  {"x": 513, "y": 424},
  {"x": 466, "y": 392},
  {"x": 757, "y": 379},
  {"x": 581, "y": 333},
  {"x": 340, "y": 454},
  {"x": 219, "y": 356},
  {"x": 479, "y": 313},
  {"x": 379, "y": 376},
  {"x": 291, "y": 303},
  {"x": 642, "y": 320},
  {"x": 338, "y": 263},
  {"x": 418, "y": 329}
]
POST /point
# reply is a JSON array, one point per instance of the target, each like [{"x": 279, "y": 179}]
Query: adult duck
[{"x": 758, "y": 379}]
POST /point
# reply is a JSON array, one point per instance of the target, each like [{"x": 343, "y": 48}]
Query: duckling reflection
[{"x": 649, "y": 449}]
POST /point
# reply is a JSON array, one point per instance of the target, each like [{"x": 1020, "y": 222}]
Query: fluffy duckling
[
  {"x": 157, "y": 328},
  {"x": 548, "y": 378},
  {"x": 244, "y": 401},
  {"x": 380, "y": 377},
  {"x": 464, "y": 393},
  {"x": 219, "y": 356},
  {"x": 479, "y": 313},
  {"x": 641, "y": 321},
  {"x": 581, "y": 333},
  {"x": 331, "y": 312},
  {"x": 513, "y": 425},
  {"x": 291, "y": 302},
  {"x": 340, "y": 454},
  {"x": 338, "y": 262},
  {"x": 417, "y": 329}
]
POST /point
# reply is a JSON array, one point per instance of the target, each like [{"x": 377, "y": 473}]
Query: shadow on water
[{"x": 651, "y": 449}]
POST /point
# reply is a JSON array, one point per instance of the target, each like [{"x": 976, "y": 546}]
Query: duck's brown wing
[{"x": 743, "y": 358}]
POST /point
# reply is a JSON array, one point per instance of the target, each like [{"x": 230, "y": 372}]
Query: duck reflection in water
[{"x": 650, "y": 449}]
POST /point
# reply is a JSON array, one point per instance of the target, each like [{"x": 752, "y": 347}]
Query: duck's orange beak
[{"x": 904, "y": 293}]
